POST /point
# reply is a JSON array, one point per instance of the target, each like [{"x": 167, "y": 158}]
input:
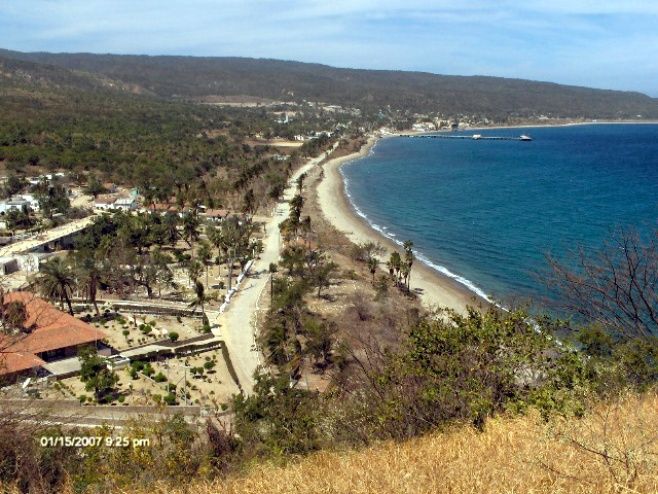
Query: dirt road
[{"x": 237, "y": 326}]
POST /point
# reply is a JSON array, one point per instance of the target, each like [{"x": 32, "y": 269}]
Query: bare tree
[{"x": 615, "y": 286}]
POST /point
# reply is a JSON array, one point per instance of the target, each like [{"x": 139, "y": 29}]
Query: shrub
[
  {"x": 170, "y": 399},
  {"x": 159, "y": 377},
  {"x": 173, "y": 336},
  {"x": 138, "y": 365},
  {"x": 148, "y": 370}
]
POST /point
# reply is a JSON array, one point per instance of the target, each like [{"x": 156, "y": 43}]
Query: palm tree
[
  {"x": 89, "y": 276},
  {"x": 200, "y": 298},
  {"x": 191, "y": 224},
  {"x": 56, "y": 281},
  {"x": 300, "y": 182},
  {"x": 395, "y": 265},
  {"x": 408, "y": 259},
  {"x": 204, "y": 254},
  {"x": 171, "y": 226},
  {"x": 372, "y": 266},
  {"x": 273, "y": 269}
]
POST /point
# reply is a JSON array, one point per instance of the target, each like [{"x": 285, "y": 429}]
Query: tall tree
[
  {"x": 300, "y": 182},
  {"x": 373, "y": 263},
  {"x": 88, "y": 272},
  {"x": 395, "y": 265},
  {"x": 273, "y": 269},
  {"x": 56, "y": 281},
  {"x": 201, "y": 298},
  {"x": 408, "y": 260},
  {"x": 204, "y": 254},
  {"x": 191, "y": 223}
]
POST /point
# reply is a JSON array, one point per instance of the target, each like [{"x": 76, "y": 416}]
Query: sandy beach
[{"x": 435, "y": 289}]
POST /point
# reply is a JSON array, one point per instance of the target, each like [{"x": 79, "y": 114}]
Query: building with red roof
[{"x": 47, "y": 334}]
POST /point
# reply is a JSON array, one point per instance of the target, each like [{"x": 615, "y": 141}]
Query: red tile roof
[
  {"x": 11, "y": 363},
  {"x": 51, "y": 329},
  {"x": 215, "y": 213}
]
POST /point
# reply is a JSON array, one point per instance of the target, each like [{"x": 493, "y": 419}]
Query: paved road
[
  {"x": 35, "y": 242},
  {"x": 237, "y": 325}
]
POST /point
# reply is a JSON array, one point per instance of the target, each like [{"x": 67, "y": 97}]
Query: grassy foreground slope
[{"x": 613, "y": 449}]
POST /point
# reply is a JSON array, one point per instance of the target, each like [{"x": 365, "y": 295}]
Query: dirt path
[{"x": 237, "y": 325}]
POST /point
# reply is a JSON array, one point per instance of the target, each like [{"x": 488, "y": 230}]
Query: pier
[{"x": 474, "y": 137}]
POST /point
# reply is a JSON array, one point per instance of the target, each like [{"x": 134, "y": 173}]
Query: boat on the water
[{"x": 524, "y": 137}]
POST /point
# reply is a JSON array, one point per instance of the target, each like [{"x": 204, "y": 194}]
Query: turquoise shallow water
[{"x": 487, "y": 212}]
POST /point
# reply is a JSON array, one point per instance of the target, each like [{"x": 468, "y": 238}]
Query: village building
[
  {"x": 47, "y": 335},
  {"x": 105, "y": 201},
  {"x": 19, "y": 202},
  {"x": 126, "y": 203},
  {"x": 44, "y": 178},
  {"x": 215, "y": 215}
]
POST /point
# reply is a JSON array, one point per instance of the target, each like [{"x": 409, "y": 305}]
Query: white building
[
  {"x": 126, "y": 203},
  {"x": 19, "y": 202}
]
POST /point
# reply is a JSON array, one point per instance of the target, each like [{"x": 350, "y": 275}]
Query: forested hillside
[
  {"x": 54, "y": 118},
  {"x": 497, "y": 98}
]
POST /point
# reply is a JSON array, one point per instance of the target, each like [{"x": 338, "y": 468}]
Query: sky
[{"x": 604, "y": 43}]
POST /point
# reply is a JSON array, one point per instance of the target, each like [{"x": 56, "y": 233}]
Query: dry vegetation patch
[{"x": 613, "y": 449}]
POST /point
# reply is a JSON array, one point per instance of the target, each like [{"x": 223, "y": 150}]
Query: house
[
  {"x": 19, "y": 202},
  {"x": 46, "y": 335},
  {"x": 215, "y": 214},
  {"x": 126, "y": 203},
  {"x": 44, "y": 178},
  {"x": 105, "y": 201}
]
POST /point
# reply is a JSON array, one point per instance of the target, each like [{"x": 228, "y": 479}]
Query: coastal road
[{"x": 237, "y": 325}]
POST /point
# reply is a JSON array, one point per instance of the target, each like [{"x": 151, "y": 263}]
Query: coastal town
[
  {"x": 173, "y": 346},
  {"x": 181, "y": 328},
  {"x": 177, "y": 330},
  {"x": 216, "y": 270}
]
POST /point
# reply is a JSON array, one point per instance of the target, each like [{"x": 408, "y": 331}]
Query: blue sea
[{"x": 488, "y": 212}]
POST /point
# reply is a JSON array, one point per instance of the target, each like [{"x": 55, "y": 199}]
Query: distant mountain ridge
[{"x": 494, "y": 97}]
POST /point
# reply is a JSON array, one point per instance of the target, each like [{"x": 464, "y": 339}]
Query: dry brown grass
[{"x": 613, "y": 449}]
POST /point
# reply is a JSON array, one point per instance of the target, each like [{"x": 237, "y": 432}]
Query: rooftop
[
  {"x": 47, "y": 328},
  {"x": 13, "y": 362}
]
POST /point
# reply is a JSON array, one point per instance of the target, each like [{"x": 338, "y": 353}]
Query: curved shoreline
[{"x": 434, "y": 288}]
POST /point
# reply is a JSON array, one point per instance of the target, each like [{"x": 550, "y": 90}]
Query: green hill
[{"x": 196, "y": 77}]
